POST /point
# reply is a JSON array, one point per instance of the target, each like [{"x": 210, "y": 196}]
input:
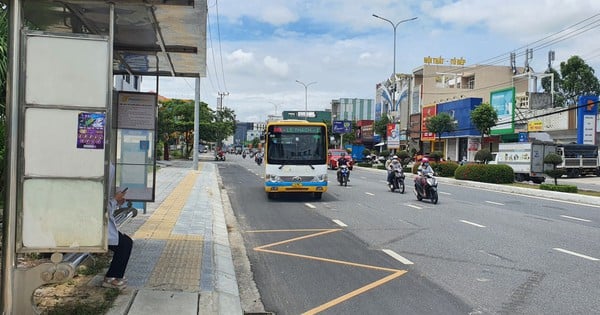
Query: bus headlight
[
  {"x": 320, "y": 178},
  {"x": 272, "y": 178}
]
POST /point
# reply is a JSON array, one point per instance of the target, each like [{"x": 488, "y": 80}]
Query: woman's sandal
[{"x": 114, "y": 283}]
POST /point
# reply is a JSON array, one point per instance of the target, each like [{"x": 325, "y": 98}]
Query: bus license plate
[{"x": 297, "y": 185}]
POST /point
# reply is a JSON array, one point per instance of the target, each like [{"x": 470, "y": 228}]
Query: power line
[{"x": 220, "y": 49}]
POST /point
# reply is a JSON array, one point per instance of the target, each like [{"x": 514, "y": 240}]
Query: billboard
[
  {"x": 587, "y": 111},
  {"x": 503, "y": 101},
  {"x": 393, "y": 136},
  {"x": 342, "y": 126},
  {"x": 427, "y": 112}
]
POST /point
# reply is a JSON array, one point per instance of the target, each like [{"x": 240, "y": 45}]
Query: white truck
[
  {"x": 578, "y": 159},
  {"x": 526, "y": 159}
]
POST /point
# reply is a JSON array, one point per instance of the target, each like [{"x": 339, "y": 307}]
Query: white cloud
[
  {"x": 275, "y": 66},
  {"x": 341, "y": 46}
]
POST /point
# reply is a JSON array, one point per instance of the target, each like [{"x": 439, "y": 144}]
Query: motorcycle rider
[
  {"x": 342, "y": 161},
  {"x": 392, "y": 166},
  {"x": 423, "y": 170}
]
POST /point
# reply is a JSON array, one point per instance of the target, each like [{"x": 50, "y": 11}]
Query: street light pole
[
  {"x": 305, "y": 97},
  {"x": 394, "y": 73}
]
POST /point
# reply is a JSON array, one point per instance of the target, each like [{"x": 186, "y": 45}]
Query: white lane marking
[
  {"x": 310, "y": 206},
  {"x": 472, "y": 223},
  {"x": 495, "y": 203},
  {"x": 574, "y": 218},
  {"x": 370, "y": 194},
  {"x": 340, "y": 223},
  {"x": 575, "y": 254},
  {"x": 399, "y": 258},
  {"x": 444, "y": 193},
  {"x": 413, "y": 206},
  {"x": 528, "y": 196}
]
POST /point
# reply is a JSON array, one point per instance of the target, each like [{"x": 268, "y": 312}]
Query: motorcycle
[
  {"x": 343, "y": 175},
  {"x": 244, "y": 155},
  {"x": 428, "y": 190},
  {"x": 220, "y": 156},
  {"x": 397, "y": 181},
  {"x": 258, "y": 159}
]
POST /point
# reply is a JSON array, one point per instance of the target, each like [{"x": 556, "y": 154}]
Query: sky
[{"x": 257, "y": 50}]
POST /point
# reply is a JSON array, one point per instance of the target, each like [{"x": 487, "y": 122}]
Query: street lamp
[
  {"x": 305, "y": 97},
  {"x": 394, "y": 73}
]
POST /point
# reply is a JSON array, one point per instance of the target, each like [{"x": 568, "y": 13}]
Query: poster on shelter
[
  {"x": 90, "y": 131},
  {"x": 503, "y": 101}
]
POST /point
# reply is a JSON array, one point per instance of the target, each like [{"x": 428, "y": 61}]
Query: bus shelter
[{"x": 71, "y": 137}]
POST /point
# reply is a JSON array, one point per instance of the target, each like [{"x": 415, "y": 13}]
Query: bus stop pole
[
  {"x": 196, "y": 124},
  {"x": 12, "y": 116}
]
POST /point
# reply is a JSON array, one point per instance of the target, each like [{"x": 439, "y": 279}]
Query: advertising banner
[
  {"x": 342, "y": 126},
  {"x": 503, "y": 101},
  {"x": 393, "y": 136},
  {"x": 428, "y": 111},
  {"x": 587, "y": 111}
]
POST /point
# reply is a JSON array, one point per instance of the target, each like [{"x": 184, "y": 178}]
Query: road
[{"x": 363, "y": 249}]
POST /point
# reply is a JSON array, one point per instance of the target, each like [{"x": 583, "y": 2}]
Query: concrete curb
[{"x": 569, "y": 197}]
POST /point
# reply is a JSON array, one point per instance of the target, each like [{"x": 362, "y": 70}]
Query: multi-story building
[{"x": 353, "y": 109}]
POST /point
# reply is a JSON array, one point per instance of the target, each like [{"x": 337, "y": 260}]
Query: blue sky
[{"x": 261, "y": 47}]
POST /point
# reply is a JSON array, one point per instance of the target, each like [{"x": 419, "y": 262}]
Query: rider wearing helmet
[
  {"x": 392, "y": 166},
  {"x": 424, "y": 169},
  {"x": 342, "y": 161}
]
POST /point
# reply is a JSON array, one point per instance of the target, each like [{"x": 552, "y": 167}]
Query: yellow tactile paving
[{"x": 178, "y": 267}]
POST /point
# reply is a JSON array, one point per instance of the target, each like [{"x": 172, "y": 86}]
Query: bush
[
  {"x": 436, "y": 155},
  {"x": 364, "y": 164},
  {"x": 385, "y": 154},
  {"x": 561, "y": 188},
  {"x": 483, "y": 155},
  {"x": 366, "y": 152},
  {"x": 487, "y": 173},
  {"x": 381, "y": 166},
  {"x": 442, "y": 169}
]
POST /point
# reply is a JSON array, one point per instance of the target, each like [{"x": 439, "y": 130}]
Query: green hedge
[
  {"x": 561, "y": 188},
  {"x": 364, "y": 164},
  {"x": 442, "y": 169},
  {"x": 487, "y": 173}
]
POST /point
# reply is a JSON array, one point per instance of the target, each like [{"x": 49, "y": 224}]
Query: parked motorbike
[
  {"x": 220, "y": 156},
  {"x": 343, "y": 175},
  {"x": 427, "y": 190},
  {"x": 397, "y": 182}
]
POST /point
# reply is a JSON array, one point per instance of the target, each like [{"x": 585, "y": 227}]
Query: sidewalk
[{"x": 181, "y": 261}]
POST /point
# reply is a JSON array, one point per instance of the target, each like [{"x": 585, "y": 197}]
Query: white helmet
[{"x": 395, "y": 157}]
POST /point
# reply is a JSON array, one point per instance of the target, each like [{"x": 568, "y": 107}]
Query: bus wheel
[{"x": 318, "y": 195}]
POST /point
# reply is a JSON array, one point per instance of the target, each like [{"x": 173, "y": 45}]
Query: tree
[
  {"x": 576, "y": 78},
  {"x": 176, "y": 122},
  {"x": 484, "y": 117},
  {"x": 440, "y": 123},
  {"x": 554, "y": 159},
  {"x": 380, "y": 126},
  {"x": 484, "y": 155}
]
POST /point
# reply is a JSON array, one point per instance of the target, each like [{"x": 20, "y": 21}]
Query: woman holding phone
[{"x": 119, "y": 243}]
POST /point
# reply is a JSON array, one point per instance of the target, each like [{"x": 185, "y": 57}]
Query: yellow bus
[{"x": 295, "y": 157}]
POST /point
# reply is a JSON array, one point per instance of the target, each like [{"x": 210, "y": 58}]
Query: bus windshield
[{"x": 296, "y": 145}]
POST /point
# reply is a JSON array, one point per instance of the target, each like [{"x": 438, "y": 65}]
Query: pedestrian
[{"x": 119, "y": 243}]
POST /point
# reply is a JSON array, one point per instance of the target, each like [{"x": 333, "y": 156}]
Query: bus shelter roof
[{"x": 151, "y": 37}]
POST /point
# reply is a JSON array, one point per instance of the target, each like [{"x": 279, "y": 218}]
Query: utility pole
[
  {"x": 220, "y": 102},
  {"x": 394, "y": 72},
  {"x": 305, "y": 97}
]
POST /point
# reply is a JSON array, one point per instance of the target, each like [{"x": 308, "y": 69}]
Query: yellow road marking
[
  {"x": 395, "y": 272},
  {"x": 354, "y": 293}
]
